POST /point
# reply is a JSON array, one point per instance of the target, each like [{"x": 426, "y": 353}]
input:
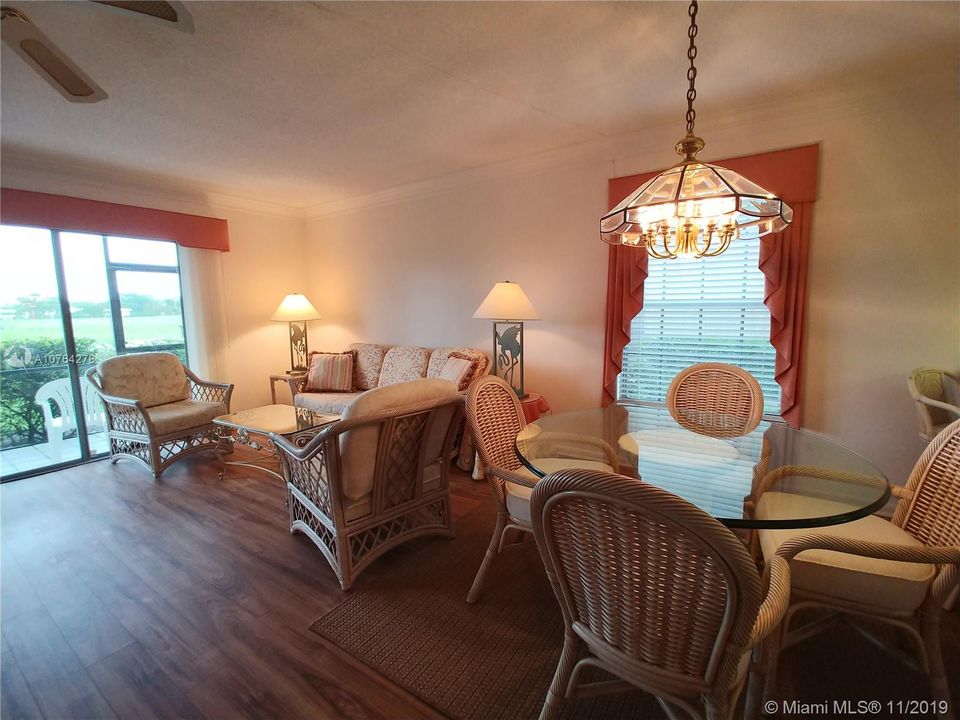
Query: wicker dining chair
[
  {"x": 937, "y": 396},
  {"x": 898, "y": 572},
  {"x": 496, "y": 418},
  {"x": 653, "y": 591},
  {"x": 716, "y": 399}
]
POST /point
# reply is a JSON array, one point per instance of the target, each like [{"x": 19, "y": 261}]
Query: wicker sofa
[{"x": 380, "y": 365}]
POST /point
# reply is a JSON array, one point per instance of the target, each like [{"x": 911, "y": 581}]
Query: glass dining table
[{"x": 773, "y": 477}]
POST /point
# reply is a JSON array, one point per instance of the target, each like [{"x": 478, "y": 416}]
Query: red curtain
[
  {"x": 626, "y": 273},
  {"x": 783, "y": 262},
  {"x": 22, "y": 207},
  {"x": 790, "y": 174}
]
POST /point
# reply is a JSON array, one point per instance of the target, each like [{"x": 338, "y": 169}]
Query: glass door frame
[
  {"x": 73, "y": 369},
  {"x": 69, "y": 339}
]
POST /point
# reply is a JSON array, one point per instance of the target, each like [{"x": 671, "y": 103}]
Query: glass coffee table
[{"x": 253, "y": 428}]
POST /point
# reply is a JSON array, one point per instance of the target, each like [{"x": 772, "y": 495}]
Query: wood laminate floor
[
  {"x": 125, "y": 597},
  {"x": 185, "y": 597}
]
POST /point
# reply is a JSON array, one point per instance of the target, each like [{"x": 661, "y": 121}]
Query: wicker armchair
[
  {"x": 495, "y": 418},
  {"x": 653, "y": 591},
  {"x": 377, "y": 478},
  {"x": 716, "y": 400},
  {"x": 937, "y": 395},
  {"x": 158, "y": 411},
  {"x": 898, "y": 572}
]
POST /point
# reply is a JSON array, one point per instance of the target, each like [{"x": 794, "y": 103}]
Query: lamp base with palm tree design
[{"x": 508, "y": 354}]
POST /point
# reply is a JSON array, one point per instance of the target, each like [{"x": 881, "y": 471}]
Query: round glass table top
[{"x": 773, "y": 477}]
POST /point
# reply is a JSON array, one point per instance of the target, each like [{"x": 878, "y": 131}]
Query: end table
[
  {"x": 286, "y": 376},
  {"x": 534, "y": 405}
]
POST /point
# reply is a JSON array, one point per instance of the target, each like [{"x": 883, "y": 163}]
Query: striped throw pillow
[
  {"x": 330, "y": 372},
  {"x": 457, "y": 370}
]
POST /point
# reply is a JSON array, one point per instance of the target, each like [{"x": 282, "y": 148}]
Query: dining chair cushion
[
  {"x": 518, "y": 496},
  {"x": 887, "y": 584},
  {"x": 183, "y": 415}
]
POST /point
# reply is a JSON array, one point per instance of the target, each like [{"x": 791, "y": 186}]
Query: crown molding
[{"x": 26, "y": 170}]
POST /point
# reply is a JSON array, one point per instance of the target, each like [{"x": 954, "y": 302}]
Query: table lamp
[
  {"x": 508, "y": 306},
  {"x": 295, "y": 309}
]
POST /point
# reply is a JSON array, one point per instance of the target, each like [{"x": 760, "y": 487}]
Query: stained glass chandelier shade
[{"x": 694, "y": 208}]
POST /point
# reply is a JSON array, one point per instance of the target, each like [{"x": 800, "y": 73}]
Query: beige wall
[
  {"x": 420, "y": 278},
  {"x": 884, "y": 280},
  {"x": 259, "y": 270}
]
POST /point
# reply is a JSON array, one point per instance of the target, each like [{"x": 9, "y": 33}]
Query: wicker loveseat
[
  {"x": 158, "y": 411},
  {"x": 379, "y": 365}
]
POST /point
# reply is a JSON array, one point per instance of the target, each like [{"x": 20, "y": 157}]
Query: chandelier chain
[{"x": 692, "y": 70}]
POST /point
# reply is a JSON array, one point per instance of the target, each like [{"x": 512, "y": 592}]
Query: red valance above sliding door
[
  {"x": 59, "y": 212},
  {"x": 790, "y": 174}
]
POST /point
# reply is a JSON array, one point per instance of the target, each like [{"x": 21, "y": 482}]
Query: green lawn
[{"x": 159, "y": 329}]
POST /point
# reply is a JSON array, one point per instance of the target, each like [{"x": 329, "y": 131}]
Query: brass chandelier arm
[{"x": 664, "y": 243}]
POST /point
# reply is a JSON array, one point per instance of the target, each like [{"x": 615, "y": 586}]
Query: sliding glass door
[
  {"x": 37, "y": 426},
  {"x": 67, "y": 301}
]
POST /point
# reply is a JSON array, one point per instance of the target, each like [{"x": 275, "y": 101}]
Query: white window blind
[{"x": 707, "y": 310}]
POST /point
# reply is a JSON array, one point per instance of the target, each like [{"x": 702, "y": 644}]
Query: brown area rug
[{"x": 495, "y": 659}]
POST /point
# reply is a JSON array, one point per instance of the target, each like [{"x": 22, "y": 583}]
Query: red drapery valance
[
  {"x": 23, "y": 207},
  {"x": 790, "y": 174}
]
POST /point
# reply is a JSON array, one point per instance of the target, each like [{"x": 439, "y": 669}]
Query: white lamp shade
[
  {"x": 295, "y": 308},
  {"x": 506, "y": 301}
]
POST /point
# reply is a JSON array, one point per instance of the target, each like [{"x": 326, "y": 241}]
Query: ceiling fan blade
[
  {"x": 25, "y": 39},
  {"x": 160, "y": 10},
  {"x": 167, "y": 13}
]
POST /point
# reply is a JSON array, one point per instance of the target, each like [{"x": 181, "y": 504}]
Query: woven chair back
[
  {"x": 716, "y": 399},
  {"x": 660, "y": 591},
  {"x": 495, "y": 418},
  {"x": 931, "y": 512}
]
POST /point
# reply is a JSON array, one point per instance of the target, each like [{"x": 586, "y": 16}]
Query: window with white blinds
[{"x": 707, "y": 310}]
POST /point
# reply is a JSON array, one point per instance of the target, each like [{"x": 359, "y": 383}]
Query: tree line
[{"x": 36, "y": 307}]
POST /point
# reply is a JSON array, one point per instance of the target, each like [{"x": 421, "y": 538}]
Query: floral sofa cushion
[
  {"x": 153, "y": 378},
  {"x": 367, "y": 362},
  {"x": 403, "y": 363}
]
